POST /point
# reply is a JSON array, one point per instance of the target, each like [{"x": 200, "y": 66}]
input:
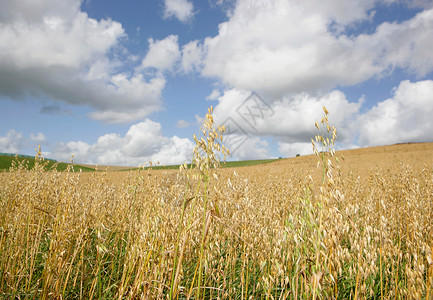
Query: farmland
[
  {"x": 355, "y": 224},
  {"x": 8, "y": 161}
]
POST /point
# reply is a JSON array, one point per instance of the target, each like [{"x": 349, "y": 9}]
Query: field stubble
[{"x": 358, "y": 229}]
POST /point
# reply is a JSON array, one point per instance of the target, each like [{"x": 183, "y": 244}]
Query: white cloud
[
  {"x": 16, "y": 142},
  {"x": 245, "y": 148},
  {"x": 287, "y": 47},
  {"x": 34, "y": 11},
  {"x": 54, "y": 42},
  {"x": 131, "y": 98},
  {"x": 342, "y": 12},
  {"x": 214, "y": 95},
  {"x": 252, "y": 148},
  {"x": 182, "y": 124},
  {"x": 192, "y": 56},
  {"x": 175, "y": 151},
  {"x": 406, "y": 117},
  {"x": 405, "y": 45},
  {"x": 53, "y": 51},
  {"x": 76, "y": 151},
  {"x": 251, "y": 53},
  {"x": 180, "y": 9},
  {"x": 163, "y": 54},
  {"x": 38, "y": 138},
  {"x": 290, "y": 118},
  {"x": 143, "y": 141},
  {"x": 292, "y": 149},
  {"x": 299, "y": 68},
  {"x": 12, "y": 142},
  {"x": 294, "y": 117}
]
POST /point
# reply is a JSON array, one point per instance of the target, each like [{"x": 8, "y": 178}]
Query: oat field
[{"x": 310, "y": 227}]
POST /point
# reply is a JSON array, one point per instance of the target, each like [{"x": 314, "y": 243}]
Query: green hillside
[
  {"x": 6, "y": 162},
  {"x": 7, "y": 159},
  {"x": 245, "y": 163},
  {"x": 227, "y": 164}
]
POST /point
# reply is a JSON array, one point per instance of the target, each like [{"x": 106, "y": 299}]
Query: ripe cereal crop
[{"x": 354, "y": 224}]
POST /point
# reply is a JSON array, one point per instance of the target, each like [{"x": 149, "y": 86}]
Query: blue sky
[{"x": 125, "y": 82}]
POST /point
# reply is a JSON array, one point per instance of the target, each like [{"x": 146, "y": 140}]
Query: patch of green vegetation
[
  {"x": 227, "y": 164},
  {"x": 6, "y": 161},
  {"x": 246, "y": 163}
]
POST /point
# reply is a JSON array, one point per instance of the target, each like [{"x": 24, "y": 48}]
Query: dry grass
[{"x": 278, "y": 231}]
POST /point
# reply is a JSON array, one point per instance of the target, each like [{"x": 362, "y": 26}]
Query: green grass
[
  {"x": 246, "y": 163},
  {"x": 227, "y": 164},
  {"x": 6, "y": 163}
]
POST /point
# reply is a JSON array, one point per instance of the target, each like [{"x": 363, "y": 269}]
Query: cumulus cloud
[
  {"x": 405, "y": 45},
  {"x": 297, "y": 54},
  {"x": 162, "y": 54},
  {"x": 15, "y": 142},
  {"x": 34, "y": 11},
  {"x": 176, "y": 151},
  {"x": 250, "y": 148},
  {"x": 12, "y": 142},
  {"x": 38, "y": 138},
  {"x": 134, "y": 98},
  {"x": 52, "y": 50},
  {"x": 292, "y": 149},
  {"x": 166, "y": 55},
  {"x": 248, "y": 118},
  {"x": 214, "y": 95},
  {"x": 192, "y": 56},
  {"x": 75, "y": 151},
  {"x": 291, "y": 118},
  {"x": 243, "y": 146},
  {"x": 343, "y": 12},
  {"x": 143, "y": 141},
  {"x": 287, "y": 47},
  {"x": 406, "y": 117},
  {"x": 180, "y": 9}
]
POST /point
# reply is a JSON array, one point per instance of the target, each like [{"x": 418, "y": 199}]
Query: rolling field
[
  {"x": 356, "y": 228},
  {"x": 228, "y": 164},
  {"x": 7, "y": 161}
]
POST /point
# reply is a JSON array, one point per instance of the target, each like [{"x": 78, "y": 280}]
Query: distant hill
[
  {"x": 361, "y": 158},
  {"x": 7, "y": 159},
  {"x": 227, "y": 164}
]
